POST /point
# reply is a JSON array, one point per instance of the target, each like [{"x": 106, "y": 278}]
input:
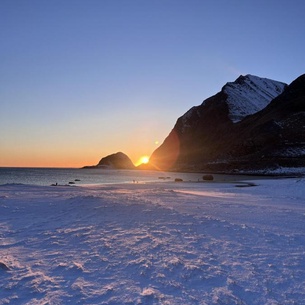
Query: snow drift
[{"x": 161, "y": 243}]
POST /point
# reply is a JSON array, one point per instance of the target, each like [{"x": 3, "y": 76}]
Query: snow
[
  {"x": 245, "y": 96},
  {"x": 250, "y": 95},
  {"x": 154, "y": 243}
]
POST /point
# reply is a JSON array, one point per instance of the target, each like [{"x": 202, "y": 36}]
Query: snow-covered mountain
[
  {"x": 245, "y": 96},
  {"x": 249, "y": 120},
  {"x": 250, "y": 94}
]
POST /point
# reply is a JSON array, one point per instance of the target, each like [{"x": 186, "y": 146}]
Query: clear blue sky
[{"x": 83, "y": 79}]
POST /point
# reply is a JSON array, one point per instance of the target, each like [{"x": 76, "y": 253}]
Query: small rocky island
[{"x": 114, "y": 161}]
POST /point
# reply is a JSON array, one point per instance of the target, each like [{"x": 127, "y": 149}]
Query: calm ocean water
[{"x": 62, "y": 176}]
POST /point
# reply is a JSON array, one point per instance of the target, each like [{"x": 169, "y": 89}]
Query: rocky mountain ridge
[
  {"x": 250, "y": 94},
  {"x": 252, "y": 124}
]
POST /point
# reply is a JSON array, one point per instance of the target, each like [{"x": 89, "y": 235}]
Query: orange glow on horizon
[
  {"x": 56, "y": 156},
  {"x": 142, "y": 160}
]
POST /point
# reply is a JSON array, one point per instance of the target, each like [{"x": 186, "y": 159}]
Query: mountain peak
[
  {"x": 249, "y": 94},
  {"x": 245, "y": 96}
]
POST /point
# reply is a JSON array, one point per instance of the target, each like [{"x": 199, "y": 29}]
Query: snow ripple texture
[
  {"x": 196, "y": 243},
  {"x": 250, "y": 94}
]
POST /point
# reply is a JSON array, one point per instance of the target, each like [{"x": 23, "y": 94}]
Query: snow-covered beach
[{"x": 153, "y": 243}]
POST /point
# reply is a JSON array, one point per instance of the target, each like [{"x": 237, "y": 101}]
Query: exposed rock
[
  {"x": 208, "y": 177},
  {"x": 178, "y": 180},
  {"x": 116, "y": 161},
  {"x": 3, "y": 266}
]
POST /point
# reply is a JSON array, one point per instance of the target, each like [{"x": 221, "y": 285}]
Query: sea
[{"x": 95, "y": 176}]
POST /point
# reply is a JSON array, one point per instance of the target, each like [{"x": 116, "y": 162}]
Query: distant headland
[{"x": 118, "y": 160}]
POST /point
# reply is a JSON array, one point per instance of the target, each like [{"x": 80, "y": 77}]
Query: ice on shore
[{"x": 161, "y": 243}]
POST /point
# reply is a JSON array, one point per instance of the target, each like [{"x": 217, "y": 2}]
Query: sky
[{"x": 80, "y": 80}]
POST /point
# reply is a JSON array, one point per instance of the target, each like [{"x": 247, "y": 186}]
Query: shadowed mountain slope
[{"x": 252, "y": 123}]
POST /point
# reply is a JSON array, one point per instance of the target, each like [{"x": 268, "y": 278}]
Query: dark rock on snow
[{"x": 208, "y": 177}]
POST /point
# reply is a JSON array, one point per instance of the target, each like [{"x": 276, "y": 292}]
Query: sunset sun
[{"x": 145, "y": 159}]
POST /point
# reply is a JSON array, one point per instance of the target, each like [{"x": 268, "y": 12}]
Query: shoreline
[
  {"x": 239, "y": 180},
  {"x": 75, "y": 177}
]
